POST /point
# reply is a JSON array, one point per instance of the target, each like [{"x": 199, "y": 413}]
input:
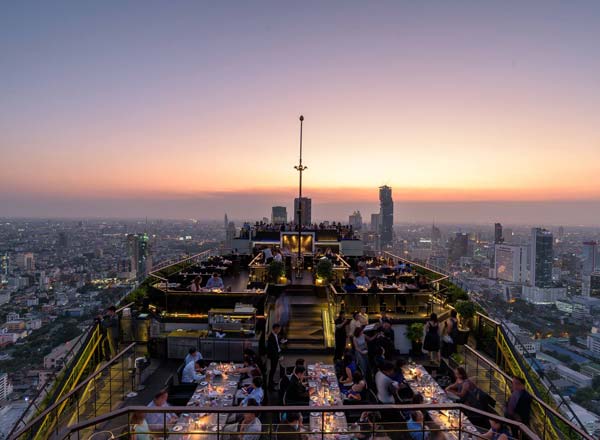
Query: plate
[
  {"x": 233, "y": 382},
  {"x": 178, "y": 428},
  {"x": 204, "y": 383},
  {"x": 214, "y": 428}
]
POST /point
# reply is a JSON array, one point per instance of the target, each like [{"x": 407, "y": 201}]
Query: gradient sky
[{"x": 107, "y": 107}]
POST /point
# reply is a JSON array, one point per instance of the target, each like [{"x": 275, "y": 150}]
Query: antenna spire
[{"x": 300, "y": 168}]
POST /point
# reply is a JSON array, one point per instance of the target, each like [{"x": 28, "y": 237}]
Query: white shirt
[
  {"x": 362, "y": 281},
  {"x": 267, "y": 253},
  {"x": 189, "y": 358},
  {"x": 156, "y": 420},
  {"x": 189, "y": 374}
]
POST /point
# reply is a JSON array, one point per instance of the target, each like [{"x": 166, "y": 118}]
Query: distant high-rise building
[
  {"x": 507, "y": 235},
  {"x": 355, "y": 220},
  {"x": 511, "y": 263},
  {"x": 306, "y": 210},
  {"x": 5, "y": 264},
  {"x": 386, "y": 210},
  {"x": 436, "y": 234},
  {"x": 590, "y": 257},
  {"x": 138, "y": 248},
  {"x": 561, "y": 233},
  {"x": 459, "y": 247},
  {"x": 498, "y": 238},
  {"x": 278, "y": 215},
  {"x": 225, "y": 222},
  {"x": 230, "y": 236},
  {"x": 375, "y": 223},
  {"x": 63, "y": 240},
  {"x": 540, "y": 258},
  {"x": 26, "y": 261}
]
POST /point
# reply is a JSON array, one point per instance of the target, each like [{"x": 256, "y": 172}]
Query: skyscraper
[
  {"x": 590, "y": 257},
  {"x": 355, "y": 220},
  {"x": 540, "y": 258},
  {"x": 225, "y": 222},
  {"x": 26, "y": 261},
  {"x": 459, "y": 247},
  {"x": 498, "y": 238},
  {"x": 511, "y": 262},
  {"x": 306, "y": 210},
  {"x": 375, "y": 222},
  {"x": 386, "y": 210},
  {"x": 278, "y": 214},
  {"x": 138, "y": 248}
]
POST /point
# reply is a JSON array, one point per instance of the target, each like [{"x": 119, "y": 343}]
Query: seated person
[
  {"x": 398, "y": 375},
  {"x": 193, "y": 355},
  {"x": 370, "y": 427},
  {"x": 156, "y": 420},
  {"x": 498, "y": 431},
  {"x": 349, "y": 285},
  {"x": 374, "y": 287},
  {"x": 349, "y": 368},
  {"x": 254, "y": 391},
  {"x": 462, "y": 385},
  {"x": 386, "y": 386},
  {"x": 215, "y": 282},
  {"x": 193, "y": 372},
  {"x": 416, "y": 427},
  {"x": 249, "y": 428},
  {"x": 291, "y": 427},
  {"x": 249, "y": 370},
  {"x": 196, "y": 286},
  {"x": 139, "y": 425},
  {"x": 362, "y": 280},
  {"x": 379, "y": 356},
  {"x": 297, "y": 393},
  {"x": 358, "y": 390}
]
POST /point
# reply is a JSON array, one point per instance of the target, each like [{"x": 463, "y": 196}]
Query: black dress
[{"x": 432, "y": 338}]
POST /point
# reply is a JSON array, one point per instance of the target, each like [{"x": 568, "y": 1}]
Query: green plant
[
  {"x": 458, "y": 358},
  {"x": 276, "y": 270},
  {"x": 415, "y": 332},
  {"x": 325, "y": 269},
  {"x": 465, "y": 309}
]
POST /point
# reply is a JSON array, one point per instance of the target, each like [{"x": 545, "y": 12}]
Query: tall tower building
[
  {"x": 386, "y": 210},
  {"x": 138, "y": 248},
  {"x": 590, "y": 257},
  {"x": 306, "y": 211},
  {"x": 355, "y": 220},
  {"x": 225, "y": 222},
  {"x": 375, "y": 222},
  {"x": 498, "y": 237},
  {"x": 278, "y": 215},
  {"x": 540, "y": 258},
  {"x": 230, "y": 236}
]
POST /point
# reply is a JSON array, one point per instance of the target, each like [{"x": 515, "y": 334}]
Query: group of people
[
  {"x": 440, "y": 339},
  {"x": 214, "y": 282},
  {"x": 361, "y": 282}
]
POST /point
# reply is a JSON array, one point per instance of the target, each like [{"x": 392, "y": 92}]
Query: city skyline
[{"x": 462, "y": 103}]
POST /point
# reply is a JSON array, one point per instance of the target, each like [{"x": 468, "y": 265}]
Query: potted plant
[
  {"x": 325, "y": 269},
  {"x": 415, "y": 335},
  {"x": 466, "y": 312},
  {"x": 276, "y": 270}
]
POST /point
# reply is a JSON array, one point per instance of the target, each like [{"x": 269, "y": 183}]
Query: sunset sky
[{"x": 190, "y": 108}]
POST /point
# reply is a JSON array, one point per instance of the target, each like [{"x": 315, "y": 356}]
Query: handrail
[
  {"x": 443, "y": 276},
  {"x": 547, "y": 407},
  {"x": 507, "y": 333},
  {"x": 77, "y": 388},
  {"x": 167, "y": 264},
  {"x": 276, "y": 409}
]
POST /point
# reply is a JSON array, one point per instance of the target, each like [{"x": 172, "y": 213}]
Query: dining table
[
  {"x": 217, "y": 390},
  {"x": 457, "y": 426},
  {"x": 324, "y": 390}
]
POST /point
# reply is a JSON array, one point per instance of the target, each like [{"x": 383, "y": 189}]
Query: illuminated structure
[{"x": 540, "y": 258}]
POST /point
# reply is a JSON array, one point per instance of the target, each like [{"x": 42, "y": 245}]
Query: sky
[{"x": 470, "y": 110}]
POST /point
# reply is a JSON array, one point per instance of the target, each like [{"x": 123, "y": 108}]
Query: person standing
[
  {"x": 110, "y": 323},
  {"x": 274, "y": 353},
  {"x": 341, "y": 324},
  {"x": 431, "y": 342},
  {"x": 518, "y": 406}
]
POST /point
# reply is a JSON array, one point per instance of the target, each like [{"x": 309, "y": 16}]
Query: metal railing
[
  {"x": 547, "y": 419},
  {"x": 89, "y": 355},
  {"x": 96, "y": 395},
  {"x": 322, "y": 422}
]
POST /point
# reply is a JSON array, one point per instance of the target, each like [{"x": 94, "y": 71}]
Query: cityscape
[{"x": 299, "y": 221}]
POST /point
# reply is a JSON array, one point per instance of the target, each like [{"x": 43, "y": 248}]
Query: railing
[
  {"x": 547, "y": 421},
  {"x": 155, "y": 272},
  {"x": 322, "y": 422},
  {"x": 89, "y": 355},
  {"x": 98, "y": 394}
]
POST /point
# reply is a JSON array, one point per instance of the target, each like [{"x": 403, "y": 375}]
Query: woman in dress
[
  {"x": 462, "y": 385},
  {"x": 349, "y": 368},
  {"x": 358, "y": 390},
  {"x": 432, "y": 338},
  {"x": 361, "y": 351}
]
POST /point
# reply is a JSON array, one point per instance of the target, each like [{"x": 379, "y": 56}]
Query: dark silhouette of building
[
  {"x": 498, "y": 237},
  {"x": 386, "y": 211},
  {"x": 306, "y": 210}
]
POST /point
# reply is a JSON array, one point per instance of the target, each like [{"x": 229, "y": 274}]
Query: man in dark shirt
[
  {"x": 274, "y": 353},
  {"x": 518, "y": 406},
  {"x": 110, "y": 323},
  {"x": 297, "y": 393}
]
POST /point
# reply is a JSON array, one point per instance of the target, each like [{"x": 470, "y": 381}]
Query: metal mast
[{"x": 300, "y": 168}]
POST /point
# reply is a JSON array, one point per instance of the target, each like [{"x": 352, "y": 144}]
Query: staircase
[{"x": 305, "y": 331}]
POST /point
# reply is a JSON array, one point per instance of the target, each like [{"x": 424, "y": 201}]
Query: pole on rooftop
[{"x": 300, "y": 168}]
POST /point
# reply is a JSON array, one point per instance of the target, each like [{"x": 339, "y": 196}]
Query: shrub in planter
[{"x": 415, "y": 335}]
